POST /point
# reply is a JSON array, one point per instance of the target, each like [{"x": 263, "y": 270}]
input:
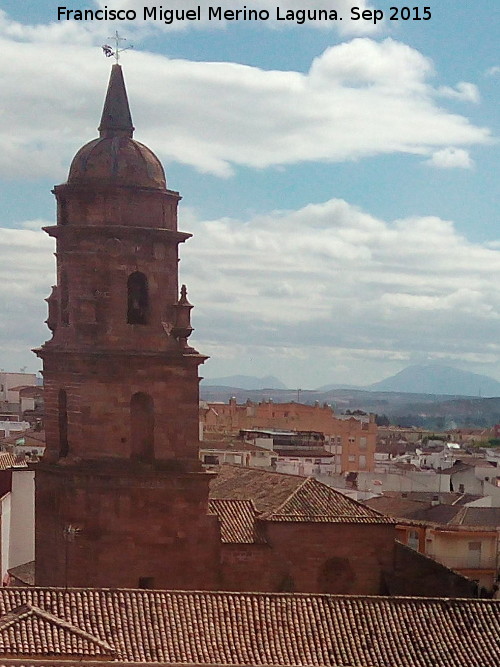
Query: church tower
[{"x": 121, "y": 499}]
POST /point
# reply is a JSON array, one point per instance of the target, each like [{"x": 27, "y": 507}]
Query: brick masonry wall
[
  {"x": 314, "y": 558},
  {"x": 126, "y": 525}
]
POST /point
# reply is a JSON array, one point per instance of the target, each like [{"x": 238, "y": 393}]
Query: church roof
[
  {"x": 115, "y": 157},
  {"x": 282, "y": 497},
  {"x": 219, "y": 628},
  {"x": 116, "y": 118},
  {"x": 237, "y": 521}
]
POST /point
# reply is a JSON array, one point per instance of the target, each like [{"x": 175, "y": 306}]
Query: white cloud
[
  {"x": 26, "y": 274},
  {"x": 450, "y": 158},
  {"x": 297, "y": 293},
  {"x": 359, "y": 98},
  {"x": 463, "y": 91},
  {"x": 493, "y": 71},
  {"x": 330, "y": 283}
]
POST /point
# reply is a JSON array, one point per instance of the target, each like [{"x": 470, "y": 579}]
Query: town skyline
[{"x": 341, "y": 185}]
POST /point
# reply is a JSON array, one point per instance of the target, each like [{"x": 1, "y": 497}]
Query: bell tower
[{"x": 121, "y": 499}]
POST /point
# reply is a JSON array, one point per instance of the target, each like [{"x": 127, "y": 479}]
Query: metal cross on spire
[{"x": 108, "y": 50}]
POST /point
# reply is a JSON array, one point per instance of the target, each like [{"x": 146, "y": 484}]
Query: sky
[{"x": 340, "y": 177}]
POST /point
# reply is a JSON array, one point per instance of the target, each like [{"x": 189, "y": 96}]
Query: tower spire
[{"x": 116, "y": 120}]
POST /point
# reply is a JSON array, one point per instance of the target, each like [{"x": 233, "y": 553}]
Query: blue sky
[{"x": 342, "y": 185}]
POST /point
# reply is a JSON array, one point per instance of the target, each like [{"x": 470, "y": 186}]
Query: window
[
  {"x": 362, "y": 442},
  {"x": 461, "y": 488},
  {"x": 352, "y": 458},
  {"x": 211, "y": 459},
  {"x": 146, "y": 582},
  {"x": 142, "y": 424},
  {"x": 413, "y": 539},
  {"x": 137, "y": 299},
  {"x": 474, "y": 554},
  {"x": 362, "y": 461}
]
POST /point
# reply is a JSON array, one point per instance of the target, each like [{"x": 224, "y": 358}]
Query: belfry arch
[{"x": 137, "y": 298}]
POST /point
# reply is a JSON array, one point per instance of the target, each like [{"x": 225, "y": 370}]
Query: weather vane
[{"x": 108, "y": 50}]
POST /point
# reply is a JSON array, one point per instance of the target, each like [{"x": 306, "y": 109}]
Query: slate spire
[{"x": 116, "y": 120}]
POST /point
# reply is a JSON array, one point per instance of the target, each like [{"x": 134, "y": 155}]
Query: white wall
[
  {"x": 8, "y": 380},
  {"x": 4, "y": 534},
  {"x": 22, "y": 529},
  {"x": 404, "y": 481}
]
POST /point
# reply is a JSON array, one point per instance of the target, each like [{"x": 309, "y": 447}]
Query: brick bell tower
[{"x": 121, "y": 499}]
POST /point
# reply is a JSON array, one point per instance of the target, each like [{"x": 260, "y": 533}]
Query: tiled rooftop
[
  {"x": 396, "y": 507},
  {"x": 205, "y": 628},
  {"x": 315, "y": 501},
  {"x": 282, "y": 497},
  {"x": 267, "y": 489},
  {"x": 237, "y": 521},
  {"x": 8, "y": 460},
  {"x": 477, "y": 516}
]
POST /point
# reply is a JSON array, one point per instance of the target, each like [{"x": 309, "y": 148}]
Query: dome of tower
[
  {"x": 119, "y": 160},
  {"x": 115, "y": 157}
]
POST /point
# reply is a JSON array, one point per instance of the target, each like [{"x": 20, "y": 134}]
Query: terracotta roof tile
[
  {"x": 282, "y": 497},
  {"x": 257, "y": 629},
  {"x": 28, "y": 623},
  {"x": 24, "y": 573},
  {"x": 237, "y": 521},
  {"x": 314, "y": 501},
  {"x": 477, "y": 516},
  {"x": 8, "y": 460},
  {"x": 396, "y": 507},
  {"x": 267, "y": 489}
]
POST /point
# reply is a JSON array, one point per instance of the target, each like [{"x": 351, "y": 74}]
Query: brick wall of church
[
  {"x": 125, "y": 528},
  {"x": 313, "y": 558},
  {"x": 99, "y": 393},
  {"x": 334, "y": 558}
]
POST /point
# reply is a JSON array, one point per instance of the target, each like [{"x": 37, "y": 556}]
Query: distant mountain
[
  {"x": 330, "y": 387},
  {"x": 436, "y": 379},
  {"x": 245, "y": 382}
]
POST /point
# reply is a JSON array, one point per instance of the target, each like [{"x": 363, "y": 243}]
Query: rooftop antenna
[{"x": 108, "y": 50}]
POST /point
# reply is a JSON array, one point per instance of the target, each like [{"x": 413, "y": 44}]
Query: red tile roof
[
  {"x": 8, "y": 460},
  {"x": 281, "y": 497},
  {"x": 265, "y": 488},
  {"x": 28, "y": 624},
  {"x": 316, "y": 501},
  {"x": 207, "y": 628},
  {"x": 237, "y": 521}
]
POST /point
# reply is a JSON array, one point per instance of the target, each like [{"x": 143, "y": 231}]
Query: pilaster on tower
[{"x": 121, "y": 383}]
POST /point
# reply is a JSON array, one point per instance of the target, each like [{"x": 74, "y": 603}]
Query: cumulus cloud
[
  {"x": 26, "y": 274},
  {"x": 301, "y": 292},
  {"x": 463, "y": 91},
  {"x": 450, "y": 158},
  {"x": 307, "y": 289},
  {"x": 359, "y": 98}
]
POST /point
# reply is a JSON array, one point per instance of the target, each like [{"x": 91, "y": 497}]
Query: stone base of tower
[{"x": 120, "y": 526}]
